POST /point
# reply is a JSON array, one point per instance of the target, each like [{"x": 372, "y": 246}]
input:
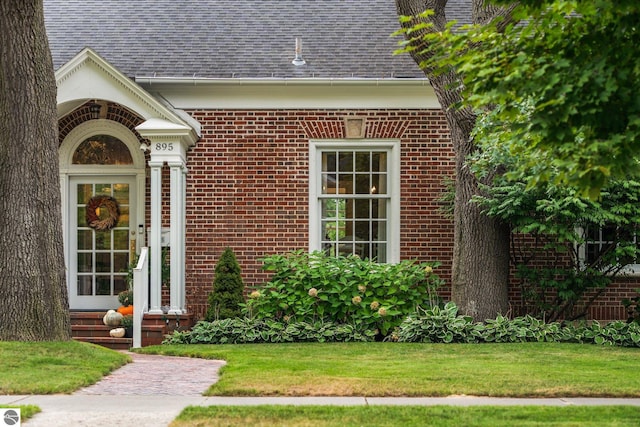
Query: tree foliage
[
  {"x": 565, "y": 81},
  {"x": 227, "y": 296},
  {"x": 561, "y": 270}
]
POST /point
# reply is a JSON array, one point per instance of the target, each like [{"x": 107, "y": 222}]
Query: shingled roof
[{"x": 234, "y": 38}]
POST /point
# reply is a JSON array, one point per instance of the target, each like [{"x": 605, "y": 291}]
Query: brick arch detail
[
  {"x": 114, "y": 112},
  {"x": 334, "y": 127}
]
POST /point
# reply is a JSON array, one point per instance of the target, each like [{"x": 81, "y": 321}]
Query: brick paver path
[{"x": 158, "y": 375}]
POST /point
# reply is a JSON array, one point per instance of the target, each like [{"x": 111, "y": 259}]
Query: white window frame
[
  {"x": 392, "y": 147},
  {"x": 627, "y": 270}
]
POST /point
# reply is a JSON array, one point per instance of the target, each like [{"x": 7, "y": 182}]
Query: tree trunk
[
  {"x": 480, "y": 272},
  {"x": 33, "y": 290}
]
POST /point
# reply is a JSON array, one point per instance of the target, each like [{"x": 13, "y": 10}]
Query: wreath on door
[{"x": 109, "y": 220}]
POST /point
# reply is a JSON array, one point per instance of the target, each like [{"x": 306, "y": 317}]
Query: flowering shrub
[{"x": 308, "y": 287}]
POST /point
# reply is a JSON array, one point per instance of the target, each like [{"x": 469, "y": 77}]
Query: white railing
[{"x": 140, "y": 295}]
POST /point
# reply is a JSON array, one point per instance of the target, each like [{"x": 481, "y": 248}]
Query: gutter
[{"x": 281, "y": 81}]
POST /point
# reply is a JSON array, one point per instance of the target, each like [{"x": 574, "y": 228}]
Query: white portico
[
  {"x": 168, "y": 143},
  {"x": 95, "y": 258}
]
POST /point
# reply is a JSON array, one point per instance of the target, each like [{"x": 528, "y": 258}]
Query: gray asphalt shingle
[{"x": 239, "y": 38}]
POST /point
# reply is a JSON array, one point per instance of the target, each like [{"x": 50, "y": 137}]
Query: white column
[
  {"x": 155, "y": 238},
  {"x": 184, "y": 241},
  {"x": 177, "y": 238},
  {"x": 168, "y": 142}
]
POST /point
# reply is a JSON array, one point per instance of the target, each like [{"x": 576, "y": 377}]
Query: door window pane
[
  {"x": 120, "y": 262},
  {"x": 119, "y": 284},
  {"x": 85, "y": 262},
  {"x": 123, "y": 219},
  {"x": 103, "y": 285},
  {"x": 85, "y": 240},
  {"x": 121, "y": 193},
  {"x": 82, "y": 215},
  {"x": 103, "y": 240},
  {"x": 84, "y": 192},
  {"x": 120, "y": 239},
  {"x": 103, "y": 262},
  {"x": 85, "y": 285}
]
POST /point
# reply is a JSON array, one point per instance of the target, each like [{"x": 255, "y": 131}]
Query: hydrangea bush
[{"x": 311, "y": 287}]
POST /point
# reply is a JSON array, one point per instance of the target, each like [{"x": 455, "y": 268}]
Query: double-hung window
[
  {"x": 600, "y": 242},
  {"x": 354, "y": 198}
]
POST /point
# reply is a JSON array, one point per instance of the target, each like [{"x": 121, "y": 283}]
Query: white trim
[
  {"x": 69, "y": 171},
  {"x": 93, "y": 301},
  {"x": 98, "y": 127},
  {"x": 315, "y": 165},
  {"x": 293, "y": 93},
  {"x": 168, "y": 141},
  {"x": 89, "y": 76},
  {"x": 178, "y": 219},
  {"x": 155, "y": 240},
  {"x": 204, "y": 81}
]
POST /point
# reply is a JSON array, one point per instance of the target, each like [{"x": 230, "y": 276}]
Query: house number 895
[{"x": 164, "y": 146}]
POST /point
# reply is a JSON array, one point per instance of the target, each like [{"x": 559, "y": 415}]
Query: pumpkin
[
  {"x": 112, "y": 318},
  {"x": 125, "y": 309},
  {"x": 117, "y": 332}
]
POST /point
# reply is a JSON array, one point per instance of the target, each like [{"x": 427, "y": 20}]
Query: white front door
[{"x": 101, "y": 239}]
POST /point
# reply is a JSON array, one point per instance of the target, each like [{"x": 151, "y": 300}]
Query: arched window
[{"x": 102, "y": 150}]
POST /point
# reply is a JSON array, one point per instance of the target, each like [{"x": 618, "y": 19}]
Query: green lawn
[
  {"x": 408, "y": 416},
  {"x": 394, "y": 369},
  {"x": 365, "y": 369},
  {"x": 53, "y": 367}
]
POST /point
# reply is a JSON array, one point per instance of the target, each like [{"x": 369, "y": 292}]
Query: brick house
[{"x": 264, "y": 126}]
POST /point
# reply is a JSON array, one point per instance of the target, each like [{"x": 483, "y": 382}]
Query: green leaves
[
  {"x": 434, "y": 325},
  {"x": 310, "y": 287},
  {"x": 573, "y": 64},
  {"x": 446, "y": 326},
  {"x": 244, "y": 331},
  {"x": 557, "y": 220},
  {"x": 227, "y": 295}
]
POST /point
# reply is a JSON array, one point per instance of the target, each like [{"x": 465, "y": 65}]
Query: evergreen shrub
[{"x": 227, "y": 296}]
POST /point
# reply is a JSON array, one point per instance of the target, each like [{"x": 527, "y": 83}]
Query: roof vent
[{"x": 297, "y": 61}]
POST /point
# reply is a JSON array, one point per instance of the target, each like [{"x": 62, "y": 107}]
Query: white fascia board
[
  {"x": 88, "y": 76},
  {"x": 201, "y": 93}
]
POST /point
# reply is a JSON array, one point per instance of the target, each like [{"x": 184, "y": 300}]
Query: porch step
[
  {"x": 112, "y": 343},
  {"x": 78, "y": 331},
  {"x": 87, "y": 326},
  {"x": 87, "y": 318}
]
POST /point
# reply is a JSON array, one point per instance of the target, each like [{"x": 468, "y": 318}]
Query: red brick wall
[{"x": 248, "y": 186}]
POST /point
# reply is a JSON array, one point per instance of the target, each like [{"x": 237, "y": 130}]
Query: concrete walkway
[{"x": 153, "y": 390}]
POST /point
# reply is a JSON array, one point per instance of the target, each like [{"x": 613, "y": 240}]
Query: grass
[
  {"x": 53, "y": 367},
  {"x": 393, "y": 369},
  {"x": 367, "y": 369},
  {"x": 408, "y": 416}
]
